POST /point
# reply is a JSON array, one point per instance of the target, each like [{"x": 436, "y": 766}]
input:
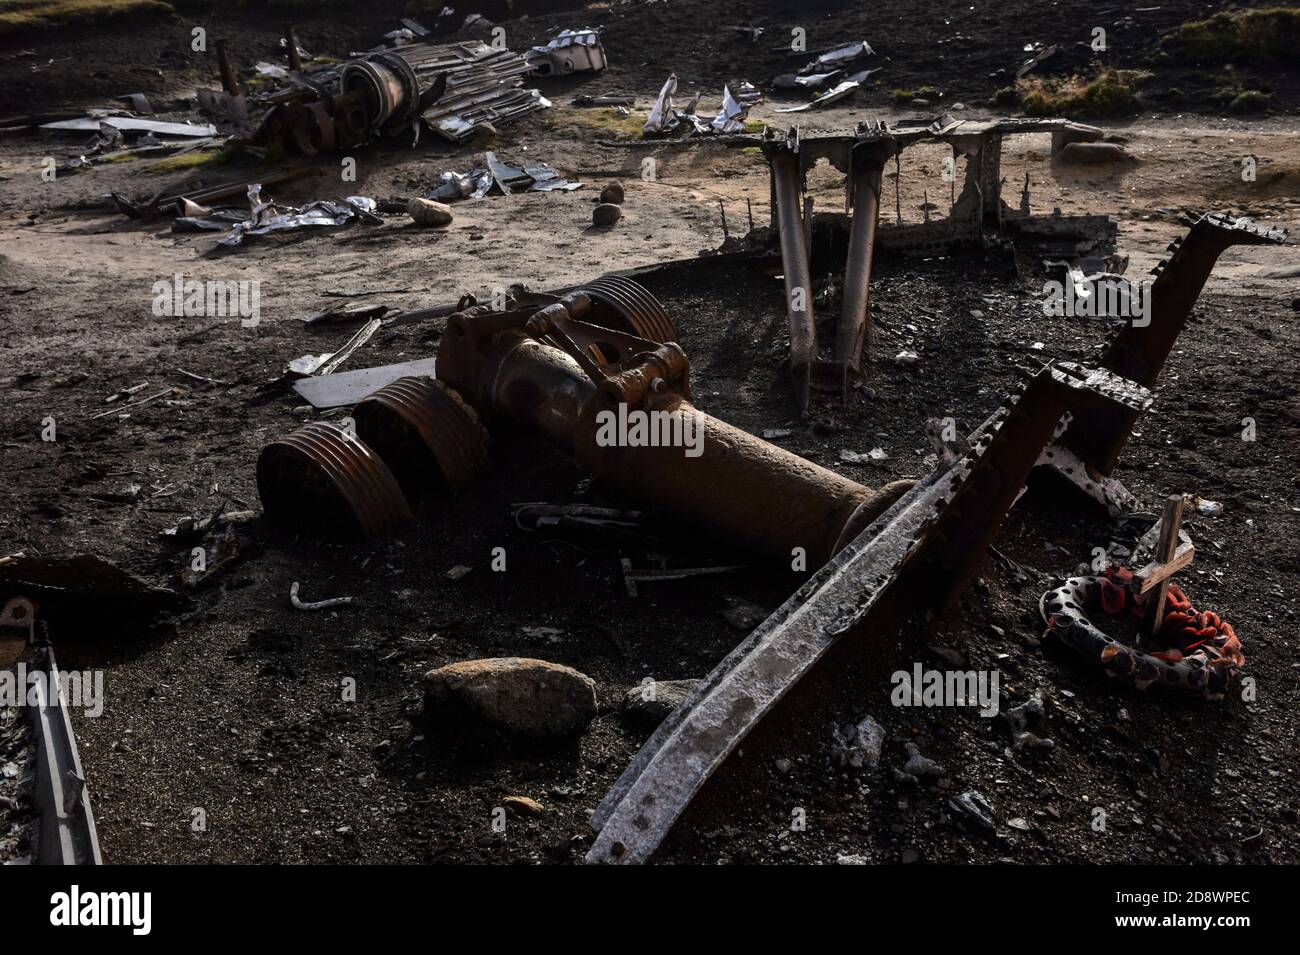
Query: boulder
[
  {"x": 513, "y": 695},
  {"x": 606, "y": 214},
  {"x": 1093, "y": 154},
  {"x": 429, "y": 212},
  {"x": 613, "y": 193}
]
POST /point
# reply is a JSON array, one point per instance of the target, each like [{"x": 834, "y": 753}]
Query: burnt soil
[{"x": 236, "y": 707}]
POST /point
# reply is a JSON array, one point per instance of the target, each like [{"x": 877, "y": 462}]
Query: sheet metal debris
[
  {"x": 572, "y": 51},
  {"x": 738, "y": 97},
  {"x": 266, "y": 217},
  {"x": 349, "y": 387},
  {"x": 98, "y": 118},
  {"x": 531, "y": 177}
]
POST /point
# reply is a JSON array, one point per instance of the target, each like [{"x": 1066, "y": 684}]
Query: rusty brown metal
[
  {"x": 229, "y": 82},
  {"x": 535, "y": 366},
  {"x": 320, "y": 478},
  {"x": 638, "y": 312},
  {"x": 798, "y": 279},
  {"x": 426, "y": 433},
  {"x": 853, "y": 333},
  {"x": 17, "y": 629},
  {"x": 291, "y": 44}
]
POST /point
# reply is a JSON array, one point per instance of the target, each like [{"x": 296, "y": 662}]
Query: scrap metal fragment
[
  {"x": 661, "y": 118},
  {"x": 571, "y": 51},
  {"x": 299, "y": 604}
]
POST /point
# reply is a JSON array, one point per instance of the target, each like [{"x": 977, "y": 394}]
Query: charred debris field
[{"x": 649, "y": 432}]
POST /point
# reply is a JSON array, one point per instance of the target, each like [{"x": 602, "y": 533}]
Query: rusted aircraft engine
[{"x": 585, "y": 367}]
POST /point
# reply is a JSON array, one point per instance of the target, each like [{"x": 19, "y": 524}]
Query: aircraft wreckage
[{"x": 556, "y": 362}]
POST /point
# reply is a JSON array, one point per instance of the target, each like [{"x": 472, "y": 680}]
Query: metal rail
[
  {"x": 67, "y": 833},
  {"x": 929, "y": 542}
]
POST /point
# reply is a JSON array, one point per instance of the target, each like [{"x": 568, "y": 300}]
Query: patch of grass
[
  {"x": 1271, "y": 33},
  {"x": 1250, "y": 101},
  {"x": 194, "y": 160},
  {"x": 1111, "y": 93},
  {"x": 1007, "y": 96},
  {"x": 601, "y": 120},
  {"x": 903, "y": 97},
  {"x": 17, "y": 16}
]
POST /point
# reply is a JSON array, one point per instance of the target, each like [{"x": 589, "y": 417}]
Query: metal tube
[
  {"x": 291, "y": 41},
  {"x": 798, "y": 280},
  {"x": 854, "y": 331},
  {"x": 228, "y": 81}
]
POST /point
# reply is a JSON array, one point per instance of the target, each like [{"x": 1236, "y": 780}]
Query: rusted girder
[
  {"x": 291, "y": 43},
  {"x": 570, "y": 379},
  {"x": 229, "y": 82},
  {"x": 853, "y": 334},
  {"x": 1087, "y": 451},
  {"x": 798, "y": 279},
  {"x": 916, "y": 555}
]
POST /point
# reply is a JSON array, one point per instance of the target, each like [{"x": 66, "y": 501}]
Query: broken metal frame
[
  {"x": 925, "y": 546},
  {"x": 861, "y": 157},
  {"x": 1087, "y": 451}
]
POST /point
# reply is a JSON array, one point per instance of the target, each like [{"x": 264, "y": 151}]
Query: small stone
[
  {"x": 783, "y": 765},
  {"x": 514, "y": 695},
  {"x": 649, "y": 703},
  {"x": 911, "y": 856},
  {"x": 974, "y": 807},
  {"x": 918, "y": 765},
  {"x": 1091, "y": 154},
  {"x": 613, "y": 193},
  {"x": 858, "y": 746},
  {"x": 851, "y": 860},
  {"x": 606, "y": 214},
  {"x": 522, "y": 806},
  {"x": 1018, "y": 823},
  {"x": 429, "y": 212}
]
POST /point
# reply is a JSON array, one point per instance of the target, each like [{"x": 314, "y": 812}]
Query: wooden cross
[{"x": 1171, "y": 557}]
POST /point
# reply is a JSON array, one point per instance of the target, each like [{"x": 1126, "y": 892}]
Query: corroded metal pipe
[
  {"x": 229, "y": 82},
  {"x": 798, "y": 279},
  {"x": 291, "y": 42},
  {"x": 854, "y": 330}
]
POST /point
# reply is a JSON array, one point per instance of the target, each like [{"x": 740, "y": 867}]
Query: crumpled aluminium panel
[{"x": 265, "y": 217}]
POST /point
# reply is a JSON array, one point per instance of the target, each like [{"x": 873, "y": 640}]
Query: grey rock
[
  {"x": 858, "y": 746},
  {"x": 974, "y": 807},
  {"x": 650, "y": 703},
  {"x": 918, "y": 765}
]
